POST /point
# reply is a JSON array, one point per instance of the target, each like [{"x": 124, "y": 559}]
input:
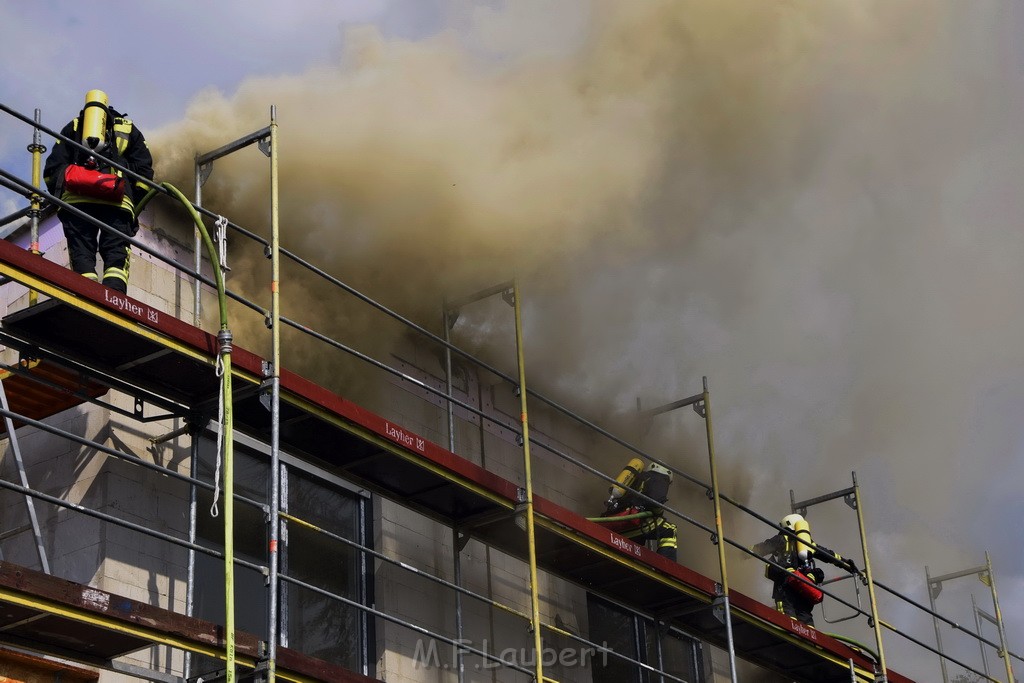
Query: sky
[{"x": 815, "y": 205}]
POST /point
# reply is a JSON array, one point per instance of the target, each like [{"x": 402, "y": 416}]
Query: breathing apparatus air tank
[
  {"x": 626, "y": 478},
  {"x": 799, "y": 526},
  {"x": 94, "y": 121}
]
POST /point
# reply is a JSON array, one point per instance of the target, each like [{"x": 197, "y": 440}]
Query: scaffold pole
[
  {"x": 720, "y": 535},
  {"x": 274, "y": 523},
  {"x": 1005, "y": 652},
  {"x": 530, "y": 535},
  {"x": 876, "y": 621}
]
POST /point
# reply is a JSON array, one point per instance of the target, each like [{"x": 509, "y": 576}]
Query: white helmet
[
  {"x": 790, "y": 522},
  {"x": 660, "y": 469}
]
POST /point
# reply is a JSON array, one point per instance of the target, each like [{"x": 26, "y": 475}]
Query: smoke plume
[{"x": 812, "y": 204}]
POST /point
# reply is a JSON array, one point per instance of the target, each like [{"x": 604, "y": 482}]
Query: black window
[
  {"x": 310, "y": 622},
  {"x": 638, "y": 640},
  {"x": 324, "y": 628}
]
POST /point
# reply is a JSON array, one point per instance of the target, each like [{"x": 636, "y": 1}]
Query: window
[
  {"x": 327, "y": 629},
  {"x": 309, "y": 621},
  {"x": 250, "y": 545},
  {"x": 638, "y": 638}
]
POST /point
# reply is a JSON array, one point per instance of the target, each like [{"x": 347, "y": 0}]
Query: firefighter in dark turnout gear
[
  {"x": 643, "y": 520},
  {"x": 84, "y": 180},
  {"x": 795, "y": 582}
]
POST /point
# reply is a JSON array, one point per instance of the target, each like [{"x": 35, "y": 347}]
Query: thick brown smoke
[{"x": 812, "y": 203}]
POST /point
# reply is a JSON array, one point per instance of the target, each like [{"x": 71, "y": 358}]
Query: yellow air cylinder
[
  {"x": 803, "y": 531},
  {"x": 626, "y": 477},
  {"x": 94, "y": 119}
]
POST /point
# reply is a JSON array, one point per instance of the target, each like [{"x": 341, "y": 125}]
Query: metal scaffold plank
[{"x": 94, "y": 626}]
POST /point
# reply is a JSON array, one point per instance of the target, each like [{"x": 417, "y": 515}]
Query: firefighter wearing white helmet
[
  {"x": 792, "y": 554},
  {"x": 638, "y": 496}
]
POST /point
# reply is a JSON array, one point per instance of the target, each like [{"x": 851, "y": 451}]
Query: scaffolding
[{"x": 96, "y": 344}]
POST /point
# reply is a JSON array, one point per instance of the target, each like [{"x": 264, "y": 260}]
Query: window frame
[
  {"x": 363, "y": 525},
  {"x": 641, "y": 626}
]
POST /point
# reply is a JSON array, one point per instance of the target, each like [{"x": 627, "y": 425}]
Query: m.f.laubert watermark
[{"x": 430, "y": 654}]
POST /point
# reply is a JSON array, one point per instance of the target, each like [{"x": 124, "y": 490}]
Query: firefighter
[
  {"x": 86, "y": 181},
  {"x": 644, "y": 519},
  {"x": 795, "y": 580}
]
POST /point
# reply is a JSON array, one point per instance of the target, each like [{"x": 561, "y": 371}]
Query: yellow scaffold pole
[
  {"x": 883, "y": 672},
  {"x": 716, "y": 499},
  {"x": 530, "y": 536},
  {"x": 1005, "y": 651},
  {"x": 37, "y": 149}
]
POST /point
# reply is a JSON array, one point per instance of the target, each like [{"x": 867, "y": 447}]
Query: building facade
[{"x": 373, "y": 584}]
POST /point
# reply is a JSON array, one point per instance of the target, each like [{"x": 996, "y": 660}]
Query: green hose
[
  {"x": 224, "y": 354},
  {"x": 857, "y": 646},
  {"x": 623, "y": 518}
]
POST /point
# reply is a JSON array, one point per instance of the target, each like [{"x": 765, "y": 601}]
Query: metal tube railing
[
  {"x": 25, "y": 188},
  {"x": 461, "y": 590},
  {"x": 450, "y": 348},
  {"x": 585, "y": 466},
  {"x": 526, "y": 440},
  {"x": 434, "y": 338},
  {"x": 127, "y": 457},
  {"x": 59, "y": 502},
  {"x": 471, "y": 408}
]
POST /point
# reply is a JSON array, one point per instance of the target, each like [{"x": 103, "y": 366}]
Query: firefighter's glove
[{"x": 850, "y": 566}]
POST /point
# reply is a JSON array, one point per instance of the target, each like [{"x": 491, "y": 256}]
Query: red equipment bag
[
  {"x": 625, "y": 525},
  {"x": 805, "y": 589},
  {"x": 90, "y": 183}
]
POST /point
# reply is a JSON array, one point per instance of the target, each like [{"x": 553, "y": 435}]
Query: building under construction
[{"x": 409, "y": 522}]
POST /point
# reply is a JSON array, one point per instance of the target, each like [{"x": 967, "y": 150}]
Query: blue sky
[
  {"x": 166, "y": 52},
  {"x": 838, "y": 239}
]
